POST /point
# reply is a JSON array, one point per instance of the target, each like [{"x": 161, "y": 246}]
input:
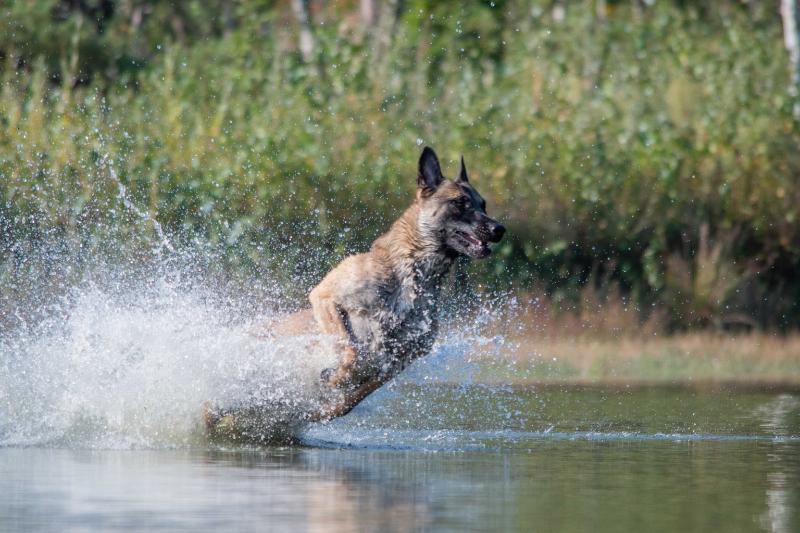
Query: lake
[{"x": 448, "y": 457}]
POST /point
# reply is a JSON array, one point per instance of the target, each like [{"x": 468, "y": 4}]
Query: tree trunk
[
  {"x": 301, "y": 13},
  {"x": 367, "y": 9},
  {"x": 791, "y": 38},
  {"x": 386, "y": 25},
  {"x": 559, "y": 11}
]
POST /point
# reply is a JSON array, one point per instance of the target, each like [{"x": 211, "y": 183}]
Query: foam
[{"x": 135, "y": 369}]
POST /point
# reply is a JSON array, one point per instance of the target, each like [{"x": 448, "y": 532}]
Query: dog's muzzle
[{"x": 496, "y": 232}]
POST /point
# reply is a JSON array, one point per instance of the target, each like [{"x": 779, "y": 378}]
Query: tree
[
  {"x": 301, "y": 12},
  {"x": 791, "y": 38}
]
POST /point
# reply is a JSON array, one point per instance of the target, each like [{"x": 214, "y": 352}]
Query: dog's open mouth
[{"x": 474, "y": 245}]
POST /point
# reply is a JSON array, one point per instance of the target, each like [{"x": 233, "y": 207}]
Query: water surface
[{"x": 440, "y": 457}]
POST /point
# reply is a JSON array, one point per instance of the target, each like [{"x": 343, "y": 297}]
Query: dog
[{"x": 382, "y": 306}]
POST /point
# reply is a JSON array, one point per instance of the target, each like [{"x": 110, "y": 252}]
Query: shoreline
[
  {"x": 790, "y": 386},
  {"x": 697, "y": 359}
]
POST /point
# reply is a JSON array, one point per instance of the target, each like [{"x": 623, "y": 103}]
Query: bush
[{"x": 651, "y": 149}]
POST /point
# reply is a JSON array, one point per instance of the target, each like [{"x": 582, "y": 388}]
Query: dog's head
[{"x": 452, "y": 212}]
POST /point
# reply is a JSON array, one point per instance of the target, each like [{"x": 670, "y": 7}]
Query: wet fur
[{"x": 383, "y": 305}]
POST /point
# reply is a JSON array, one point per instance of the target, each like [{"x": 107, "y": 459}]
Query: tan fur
[
  {"x": 378, "y": 290},
  {"x": 382, "y": 305}
]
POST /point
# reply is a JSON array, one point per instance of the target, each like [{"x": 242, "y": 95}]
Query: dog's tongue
[
  {"x": 475, "y": 241},
  {"x": 482, "y": 247}
]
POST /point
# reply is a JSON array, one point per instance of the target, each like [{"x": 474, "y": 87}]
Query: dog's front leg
[
  {"x": 332, "y": 320},
  {"x": 349, "y": 399}
]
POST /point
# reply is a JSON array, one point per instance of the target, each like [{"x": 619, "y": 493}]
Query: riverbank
[{"x": 701, "y": 358}]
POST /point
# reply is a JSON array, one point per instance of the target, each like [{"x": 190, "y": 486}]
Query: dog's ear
[
  {"x": 462, "y": 174},
  {"x": 429, "y": 175}
]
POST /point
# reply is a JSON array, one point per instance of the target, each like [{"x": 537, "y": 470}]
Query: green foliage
[{"x": 607, "y": 141}]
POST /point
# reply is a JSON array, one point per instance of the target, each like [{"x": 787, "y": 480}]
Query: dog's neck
[{"x": 417, "y": 258}]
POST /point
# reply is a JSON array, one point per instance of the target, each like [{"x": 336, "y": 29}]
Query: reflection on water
[
  {"x": 566, "y": 486},
  {"x": 572, "y": 460},
  {"x": 776, "y": 417}
]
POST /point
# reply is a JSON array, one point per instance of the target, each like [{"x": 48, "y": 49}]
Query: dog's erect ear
[
  {"x": 429, "y": 176},
  {"x": 462, "y": 174}
]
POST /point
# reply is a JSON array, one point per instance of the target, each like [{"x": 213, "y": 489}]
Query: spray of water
[
  {"x": 136, "y": 367},
  {"x": 131, "y": 353},
  {"x": 122, "y": 195}
]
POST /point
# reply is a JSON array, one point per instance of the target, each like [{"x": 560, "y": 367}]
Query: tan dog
[{"x": 382, "y": 305}]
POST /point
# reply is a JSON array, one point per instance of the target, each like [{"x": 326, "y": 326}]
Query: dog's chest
[
  {"x": 414, "y": 306},
  {"x": 400, "y": 318},
  {"x": 413, "y": 303}
]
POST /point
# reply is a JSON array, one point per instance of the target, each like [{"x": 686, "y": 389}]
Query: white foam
[
  {"x": 135, "y": 369},
  {"x": 130, "y": 359}
]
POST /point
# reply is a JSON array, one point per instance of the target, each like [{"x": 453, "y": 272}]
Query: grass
[
  {"x": 698, "y": 357},
  {"x": 651, "y": 148}
]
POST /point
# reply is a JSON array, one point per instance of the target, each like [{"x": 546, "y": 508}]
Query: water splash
[
  {"x": 122, "y": 195},
  {"x": 109, "y": 347},
  {"x": 135, "y": 369},
  {"x": 124, "y": 360}
]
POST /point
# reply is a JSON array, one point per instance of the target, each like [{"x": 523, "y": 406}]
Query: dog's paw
[
  {"x": 338, "y": 379},
  {"x": 327, "y": 375},
  {"x": 327, "y": 412},
  {"x": 218, "y": 423}
]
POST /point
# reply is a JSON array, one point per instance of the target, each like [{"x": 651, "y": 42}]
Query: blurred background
[{"x": 643, "y": 154}]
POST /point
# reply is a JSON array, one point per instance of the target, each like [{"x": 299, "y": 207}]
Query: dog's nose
[{"x": 498, "y": 230}]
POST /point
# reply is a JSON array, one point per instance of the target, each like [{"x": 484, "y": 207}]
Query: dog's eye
[{"x": 459, "y": 202}]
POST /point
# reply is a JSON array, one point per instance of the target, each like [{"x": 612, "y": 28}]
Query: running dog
[{"x": 381, "y": 306}]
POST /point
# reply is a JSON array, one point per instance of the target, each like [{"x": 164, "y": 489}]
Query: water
[
  {"x": 446, "y": 457},
  {"x": 558, "y": 486},
  {"x": 101, "y": 398}
]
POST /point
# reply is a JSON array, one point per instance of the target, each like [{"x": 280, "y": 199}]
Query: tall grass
[{"x": 651, "y": 150}]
